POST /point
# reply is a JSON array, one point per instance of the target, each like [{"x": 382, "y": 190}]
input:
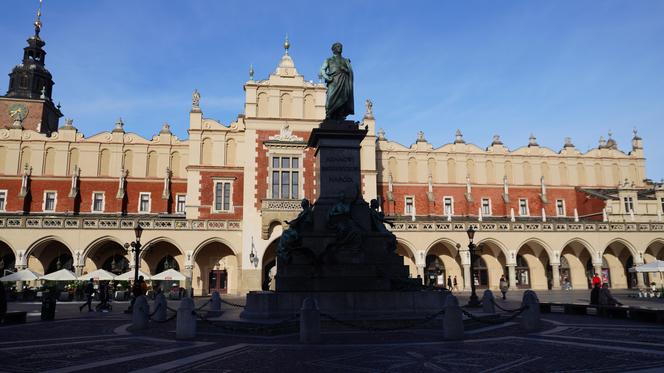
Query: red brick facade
[{"x": 206, "y": 189}]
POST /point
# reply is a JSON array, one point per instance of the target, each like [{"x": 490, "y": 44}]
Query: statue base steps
[{"x": 356, "y": 305}]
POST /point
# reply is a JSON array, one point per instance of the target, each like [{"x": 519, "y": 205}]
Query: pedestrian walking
[
  {"x": 596, "y": 280},
  {"x": 594, "y": 295},
  {"x": 103, "y": 297},
  {"x": 503, "y": 286},
  {"x": 139, "y": 288},
  {"x": 449, "y": 282},
  {"x": 89, "y": 291},
  {"x": 456, "y": 285}
]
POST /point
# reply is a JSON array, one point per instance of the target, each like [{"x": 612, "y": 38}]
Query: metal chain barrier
[
  {"x": 504, "y": 309},
  {"x": 377, "y": 329},
  {"x": 155, "y": 310},
  {"x": 494, "y": 322},
  {"x": 232, "y": 304},
  {"x": 203, "y": 305}
]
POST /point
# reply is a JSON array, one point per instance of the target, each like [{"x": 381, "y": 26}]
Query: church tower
[{"x": 28, "y": 101}]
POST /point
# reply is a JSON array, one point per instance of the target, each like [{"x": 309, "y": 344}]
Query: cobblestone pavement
[{"x": 94, "y": 341}]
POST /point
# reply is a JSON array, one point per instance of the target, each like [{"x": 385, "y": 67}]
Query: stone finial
[
  {"x": 602, "y": 142},
  {"x": 58, "y": 106},
  {"x": 611, "y": 143},
  {"x": 119, "y": 126},
  {"x": 381, "y": 134},
  {"x": 636, "y": 140},
  {"x": 286, "y": 44},
  {"x": 636, "y": 134},
  {"x": 195, "y": 99},
  {"x": 496, "y": 140},
  {"x": 251, "y": 72},
  {"x": 165, "y": 129},
  {"x": 568, "y": 142},
  {"x": 532, "y": 141},
  {"x": 43, "y": 93},
  {"x": 69, "y": 123},
  {"x": 459, "y": 137},
  {"x": 420, "y": 137}
]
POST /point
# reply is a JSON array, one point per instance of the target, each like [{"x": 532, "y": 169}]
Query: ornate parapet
[{"x": 83, "y": 222}]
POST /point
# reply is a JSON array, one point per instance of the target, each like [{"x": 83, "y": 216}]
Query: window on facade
[
  {"x": 560, "y": 207},
  {"x": 285, "y": 177},
  {"x": 3, "y": 199},
  {"x": 179, "y": 203},
  {"x": 448, "y": 205},
  {"x": 523, "y": 207},
  {"x": 629, "y": 204},
  {"x": 410, "y": 201},
  {"x": 144, "y": 202},
  {"x": 486, "y": 206},
  {"x": 97, "y": 202},
  {"x": 222, "y": 196},
  {"x": 49, "y": 201},
  {"x": 661, "y": 202}
]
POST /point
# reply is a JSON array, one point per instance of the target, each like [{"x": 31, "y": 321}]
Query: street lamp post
[
  {"x": 136, "y": 249},
  {"x": 474, "y": 301}
]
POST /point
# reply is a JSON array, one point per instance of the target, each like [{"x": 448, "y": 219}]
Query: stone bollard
[
  {"x": 488, "y": 305},
  {"x": 215, "y": 305},
  {"x": 186, "y": 320},
  {"x": 161, "y": 306},
  {"x": 309, "y": 321},
  {"x": 530, "y": 318},
  {"x": 453, "y": 319},
  {"x": 140, "y": 314}
]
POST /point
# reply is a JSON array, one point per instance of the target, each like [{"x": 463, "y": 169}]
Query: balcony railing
[
  {"x": 88, "y": 222},
  {"x": 460, "y": 226}
]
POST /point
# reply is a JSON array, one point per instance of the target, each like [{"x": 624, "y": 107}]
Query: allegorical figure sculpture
[
  {"x": 338, "y": 74},
  {"x": 290, "y": 237}
]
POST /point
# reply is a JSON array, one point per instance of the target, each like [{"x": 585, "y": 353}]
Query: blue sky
[{"x": 560, "y": 68}]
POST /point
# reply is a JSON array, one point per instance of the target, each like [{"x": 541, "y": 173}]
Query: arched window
[
  {"x": 152, "y": 164},
  {"x": 49, "y": 161},
  {"x": 262, "y": 103},
  {"x": 309, "y": 107},
  {"x": 412, "y": 170},
  {"x": 206, "y": 151},
  {"x": 176, "y": 167},
  {"x": 104, "y": 162},
  {"x": 285, "y": 106},
  {"x": 230, "y": 152},
  {"x": 73, "y": 161},
  {"x": 451, "y": 170}
]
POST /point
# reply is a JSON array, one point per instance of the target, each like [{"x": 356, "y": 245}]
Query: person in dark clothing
[
  {"x": 456, "y": 284},
  {"x": 449, "y": 283},
  {"x": 89, "y": 291},
  {"x": 594, "y": 295},
  {"x": 103, "y": 297}
]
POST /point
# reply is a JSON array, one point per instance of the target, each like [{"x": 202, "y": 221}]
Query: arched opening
[
  {"x": 408, "y": 258},
  {"x": 7, "y": 259},
  {"x": 616, "y": 256},
  {"x": 577, "y": 256},
  {"x": 269, "y": 266},
  {"x": 128, "y": 160},
  {"x": 285, "y": 104},
  {"x": 532, "y": 267},
  {"x": 494, "y": 263},
  {"x": 451, "y": 170},
  {"x": 166, "y": 263},
  {"x": 261, "y": 102},
  {"x": 154, "y": 254},
  {"x": 176, "y": 166},
  {"x": 216, "y": 269},
  {"x": 104, "y": 162},
  {"x": 49, "y": 161},
  {"x": 106, "y": 254},
  {"x": 412, "y": 170},
  {"x": 206, "y": 151},
  {"x": 50, "y": 256},
  {"x": 480, "y": 274},
  {"x": 73, "y": 161},
  {"x": 434, "y": 272},
  {"x": 654, "y": 252},
  {"x": 447, "y": 258},
  {"x": 152, "y": 164},
  {"x": 308, "y": 107}
]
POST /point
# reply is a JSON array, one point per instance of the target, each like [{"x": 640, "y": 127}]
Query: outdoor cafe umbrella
[
  {"x": 22, "y": 275},
  {"x": 656, "y": 266},
  {"x": 129, "y": 276},
  {"x": 99, "y": 275},
  {"x": 61, "y": 275},
  {"x": 169, "y": 275}
]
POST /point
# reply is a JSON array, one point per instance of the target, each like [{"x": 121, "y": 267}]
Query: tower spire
[{"x": 38, "y": 23}]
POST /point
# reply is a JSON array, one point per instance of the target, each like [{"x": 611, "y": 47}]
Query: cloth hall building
[{"x": 213, "y": 205}]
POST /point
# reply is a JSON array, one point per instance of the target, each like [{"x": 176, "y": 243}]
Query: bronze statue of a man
[{"x": 338, "y": 75}]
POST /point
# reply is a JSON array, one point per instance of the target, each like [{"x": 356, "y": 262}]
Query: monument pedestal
[{"x": 339, "y": 252}]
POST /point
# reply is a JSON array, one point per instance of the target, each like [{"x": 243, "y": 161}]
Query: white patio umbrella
[
  {"x": 656, "y": 266},
  {"x": 61, "y": 275},
  {"x": 22, "y": 275},
  {"x": 129, "y": 276},
  {"x": 99, "y": 275},
  {"x": 169, "y": 275}
]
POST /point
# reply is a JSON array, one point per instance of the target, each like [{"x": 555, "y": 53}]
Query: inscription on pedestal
[{"x": 339, "y": 170}]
